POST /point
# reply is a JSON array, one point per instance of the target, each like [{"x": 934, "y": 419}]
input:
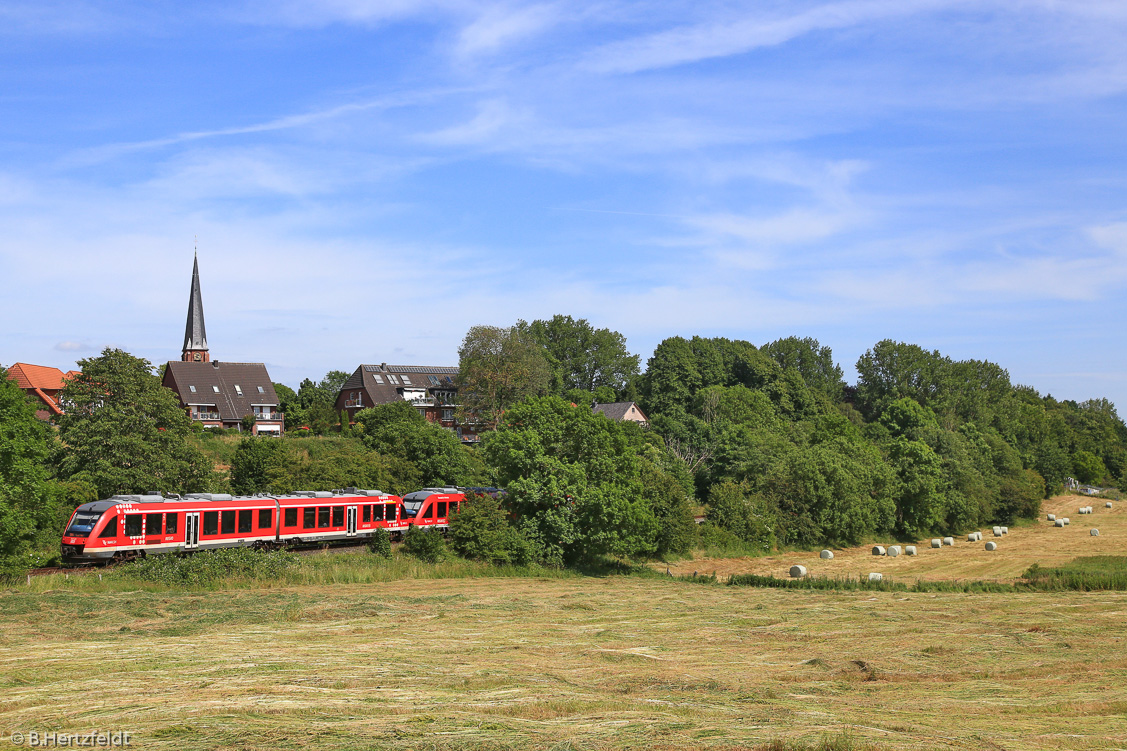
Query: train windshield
[
  {"x": 83, "y": 523},
  {"x": 410, "y": 508}
]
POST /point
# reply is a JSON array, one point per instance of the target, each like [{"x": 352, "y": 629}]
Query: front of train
[{"x": 91, "y": 529}]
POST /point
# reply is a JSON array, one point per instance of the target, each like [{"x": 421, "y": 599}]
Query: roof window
[
  {"x": 192, "y": 389},
  {"x": 406, "y": 380},
  {"x": 238, "y": 389},
  {"x": 392, "y": 379},
  {"x": 378, "y": 377},
  {"x": 433, "y": 380},
  {"x": 215, "y": 389},
  {"x": 261, "y": 390}
]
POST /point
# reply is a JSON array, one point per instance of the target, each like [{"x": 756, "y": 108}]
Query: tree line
[{"x": 769, "y": 443}]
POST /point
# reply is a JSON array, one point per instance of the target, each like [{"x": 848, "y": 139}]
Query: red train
[{"x": 128, "y": 526}]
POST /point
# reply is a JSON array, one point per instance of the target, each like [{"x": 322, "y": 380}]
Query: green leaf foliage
[
  {"x": 481, "y": 531},
  {"x": 124, "y": 432}
]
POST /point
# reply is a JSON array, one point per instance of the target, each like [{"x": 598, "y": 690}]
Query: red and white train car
[
  {"x": 126, "y": 526},
  {"x": 432, "y": 507}
]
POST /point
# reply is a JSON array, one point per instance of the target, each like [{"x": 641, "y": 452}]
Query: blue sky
[{"x": 369, "y": 179}]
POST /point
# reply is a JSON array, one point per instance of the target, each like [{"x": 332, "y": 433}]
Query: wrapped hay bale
[
  {"x": 797, "y": 572},
  {"x": 826, "y": 555},
  {"x": 1095, "y": 533},
  {"x": 1058, "y": 523},
  {"x": 910, "y": 550},
  {"x": 997, "y": 531},
  {"x": 1005, "y": 530},
  {"x": 991, "y": 546},
  {"x": 874, "y": 577},
  {"x": 1066, "y": 521},
  {"x": 936, "y": 543},
  {"x": 1052, "y": 517},
  {"x": 948, "y": 540},
  {"x": 879, "y": 550},
  {"x": 894, "y": 551},
  {"x": 1107, "y": 505}
]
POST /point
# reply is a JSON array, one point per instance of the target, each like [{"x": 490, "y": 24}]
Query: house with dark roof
[
  {"x": 220, "y": 394},
  {"x": 431, "y": 389},
  {"x": 43, "y": 383},
  {"x": 622, "y": 411}
]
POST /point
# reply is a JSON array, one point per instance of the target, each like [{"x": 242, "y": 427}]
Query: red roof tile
[{"x": 37, "y": 376}]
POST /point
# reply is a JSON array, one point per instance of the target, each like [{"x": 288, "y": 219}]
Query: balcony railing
[
  {"x": 350, "y": 403},
  {"x": 275, "y": 416},
  {"x": 205, "y": 415}
]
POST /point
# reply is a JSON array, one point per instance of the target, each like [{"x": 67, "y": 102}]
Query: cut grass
[{"x": 566, "y": 662}]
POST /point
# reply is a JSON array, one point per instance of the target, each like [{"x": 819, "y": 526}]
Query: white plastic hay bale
[
  {"x": 1066, "y": 521},
  {"x": 1095, "y": 533},
  {"x": 936, "y": 543},
  {"x": 997, "y": 531},
  {"x": 1107, "y": 505},
  {"x": 826, "y": 555},
  {"x": 797, "y": 572},
  {"x": 875, "y": 577},
  {"x": 991, "y": 546},
  {"x": 977, "y": 536},
  {"x": 879, "y": 550},
  {"x": 910, "y": 550},
  {"x": 1052, "y": 517},
  {"x": 1005, "y": 530},
  {"x": 1058, "y": 523},
  {"x": 894, "y": 551},
  {"x": 972, "y": 537},
  {"x": 948, "y": 540}
]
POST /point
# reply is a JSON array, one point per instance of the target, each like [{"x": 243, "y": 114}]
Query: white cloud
[{"x": 502, "y": 25}]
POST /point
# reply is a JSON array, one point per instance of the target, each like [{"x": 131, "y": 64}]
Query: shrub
[
  {"x": 211, "y": 567},
  {"x": 481, "y": 532},
  {"x": 425, "y": 544},
  {"x": 380, "y": 544}
]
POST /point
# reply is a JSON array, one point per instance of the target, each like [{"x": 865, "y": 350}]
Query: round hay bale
[
  {"x": 797, "y": 572},
  {"x": 991, "y": 546},
  {"x": 894, "y": 551},
  {"x": 997, "y": 531},
  {"x": 1095, "y": 533},
  {"x": 948, "y": 540},
  {"x": 972, "y": 537},
  {"x": 826, "y": 555},
  {"x": 1005, "y": 530},
  {"x": 1107, "y": 505},
  {"x": 936, "y": 543},
  {"x": 1066, "y": 521},
  {"x": 1052, "y": 517},
  {"x": 879, "y": 550},
  {"x": 875, "y": 577},
  {"x": 910, "y": 550},
  {"x": 1058, "y": 523}
]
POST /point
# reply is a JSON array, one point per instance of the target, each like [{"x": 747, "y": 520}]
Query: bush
[
  {"x": 481, "y": 532},
  {"x": 380, "y": 544},
  {"x": 425, "y": 544},
  {"x": 211, "y": 567}
]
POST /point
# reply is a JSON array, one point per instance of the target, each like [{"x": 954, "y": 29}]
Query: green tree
[
  {"x": 481, "y": 531},
  {"x": 397, "y": 429},
  {"x": 124, "y": 432},
  {"x": 735, "y": 507},
  {"x": 584, "y": 357},
  {"x": 498, "y": 367},
  {"x": 1088, "y": 467},
  {"x": 814, "y": 362},
  {"x": 254, "y": 463},
  {"x": 30, "y": 505}
]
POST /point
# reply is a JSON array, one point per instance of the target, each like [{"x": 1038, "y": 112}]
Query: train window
[
  {"x": 132, "y": 525},
  {"x": 227, "y": 522},
  {"x": 265, "y": 518},
  {"x": 211, "y": 522},
  {"x": 441, "y": 509},
  {"x": 246, "y": 520},
  {"x": 309, "y": 518},
  {"x": 171, "y": 523},
  {"x": 111, "y": 529},
  {"x": 338, "y": 516},
  {"x": 322, "y": 516},
  {"x": 290, "y": 519},
  {"x": 377, "y": 512},
  {"x": 153, "y": 525},
  {"x": 389, "y": 512},
  {"x": 83, "y": 523},
  {"x": 430, "y": 511},
  {"x": 366, "y": 516}
]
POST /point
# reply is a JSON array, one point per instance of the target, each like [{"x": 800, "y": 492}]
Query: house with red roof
[{"x": 42, "y": 383}]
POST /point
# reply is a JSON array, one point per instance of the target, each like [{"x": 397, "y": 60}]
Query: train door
[
  {"x": 351, "y": 523},
  {"x": 191, "y": 530}
]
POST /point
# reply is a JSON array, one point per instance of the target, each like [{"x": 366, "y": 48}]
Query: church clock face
[{"x": 197, "y": 356}]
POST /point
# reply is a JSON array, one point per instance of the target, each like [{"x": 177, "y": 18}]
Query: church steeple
[{"x": 195, "y": 333}]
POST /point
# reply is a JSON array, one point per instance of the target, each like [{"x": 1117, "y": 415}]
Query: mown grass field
[
  {"x": 1027, "y": 543},
  {"x": 353, "y": 652}
]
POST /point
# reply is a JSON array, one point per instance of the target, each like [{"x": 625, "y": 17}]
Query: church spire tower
[{"x": 195, "y": 333}]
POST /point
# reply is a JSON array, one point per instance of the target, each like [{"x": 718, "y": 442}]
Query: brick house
[
  {"x": 43, "y": 383},
  {"x": 429, "y": 389},
  {"x": 220, "y": 394}
]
